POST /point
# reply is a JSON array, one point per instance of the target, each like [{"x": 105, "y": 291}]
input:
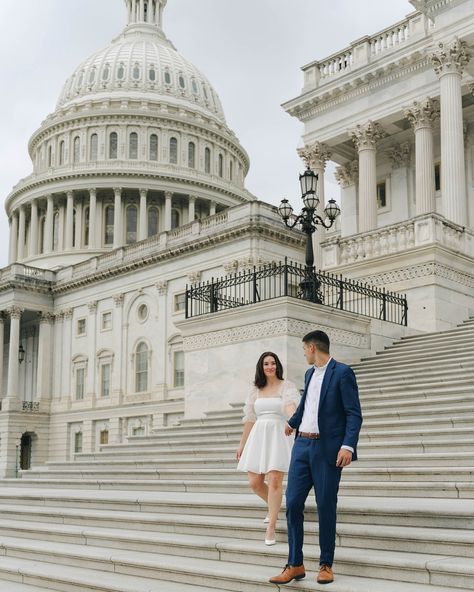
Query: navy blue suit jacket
[{"x": 339, "y": 412}]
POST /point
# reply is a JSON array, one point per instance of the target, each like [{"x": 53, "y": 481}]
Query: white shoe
[
  {"x": 266, "y": 520},
  {"x": 270, "y": 542}
]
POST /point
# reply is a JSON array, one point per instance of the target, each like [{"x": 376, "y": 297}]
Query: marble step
[
  {"x": 227, "y": 572},
  {"x": 455, "y": 344},
  {"x": 409, "y": 362},
  {"x": 419, "y": 488},
  {"x": 437, "y": 335},
  {"x": 403, "y": 375}
]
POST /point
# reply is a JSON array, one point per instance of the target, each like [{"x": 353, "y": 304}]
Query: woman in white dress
[{"x": 264, "y": 450}]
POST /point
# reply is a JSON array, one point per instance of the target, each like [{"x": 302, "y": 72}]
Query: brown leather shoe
[
  {"x": 289, "y": 574},
  {"x": 325, "y": 575}
]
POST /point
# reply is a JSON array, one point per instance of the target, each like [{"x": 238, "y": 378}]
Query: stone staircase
[{"x": 168, "y": 512}]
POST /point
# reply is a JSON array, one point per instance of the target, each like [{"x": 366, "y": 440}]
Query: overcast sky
[{"x": 251, "y": 51}]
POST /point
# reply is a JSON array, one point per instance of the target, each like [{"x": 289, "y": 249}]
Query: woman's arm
[{"x": 248, "y": 425}]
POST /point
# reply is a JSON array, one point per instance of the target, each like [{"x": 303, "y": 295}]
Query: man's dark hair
[
  {"x": 319, "y": 339},
  {"x": 260, "y": 378}
]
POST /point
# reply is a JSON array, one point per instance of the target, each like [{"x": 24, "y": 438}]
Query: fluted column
[
  {"x": 143, "y": 231},
  {"x": 168, "y": 205},
  {"x": 191, "y": 208},
  {"x": 421, "y": 115},
  {"x": 69, "y": 221},
  {"x": 449, "y": 63},
  {"x": 118, "y": 230},
  {"x": 14, "y": 238},
  {"x": 21, "y": 234},
  {"x": 34, "y": 229},
  {"x": 347, "y": 176},
  {"x": 2, "y": 336},
  {"x": 13, "y": 363},
  {"x": 45, "y": 357},
  {"x": 48, "y": 227},
  {"x": 79, "y": 224},
  {"x": 212, "y": 208},
  {"x": 142, "y": 10},
  {"x": 92, "y": 218},
  {"x": 315, "y": 157},
  {"x": 365, "y": 137}
]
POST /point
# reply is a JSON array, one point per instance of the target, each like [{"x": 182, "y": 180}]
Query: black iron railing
[{"x": 293, "y": 280}]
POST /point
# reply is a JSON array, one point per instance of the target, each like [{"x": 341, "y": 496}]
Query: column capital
[
  {"x": 422, "y": 113},
  {"x": 143, "y": 192},
  {"x": 347, "y": 174},
  {"x": 118, "y": 191},
  {"x": 92, "y": 306},
  {"x": 399, "y": 154},
  {"x": 365, "y": 137},
  {"x": 451, "y": 58},
  {"x": 118, "y": 299},
  {"x": 67, "y": 313},
  {"x": 14, "y": 312},
  {"x": 69, "y": 194},
  {"x": 192, "y": 197},
  {"x": 162, "y": 287},
  {"x": 194, "y": 277},
  {"x": 46, "y": 318},
  {"x": 315, "y": 155},
  {"x": 168, "y": 194},
  {"x": 92, "y": 191}
]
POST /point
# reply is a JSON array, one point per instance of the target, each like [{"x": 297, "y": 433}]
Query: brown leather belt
[{"x": 309, "y": 435}]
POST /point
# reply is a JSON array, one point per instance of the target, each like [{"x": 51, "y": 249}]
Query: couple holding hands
[{"x": 326, "y": 421}]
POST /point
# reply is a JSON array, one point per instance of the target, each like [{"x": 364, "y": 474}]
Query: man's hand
[
  {"x": 344, "y": 458},
  {"x": 288, "y": 430}
]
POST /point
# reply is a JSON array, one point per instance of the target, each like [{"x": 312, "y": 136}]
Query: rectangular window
[
  {"x": 106, "y": 321},
  {"x": 81, "y": 326},
  {"x": 179, "y": 302},
  {"x": 80, "y": 374},
  {"x": 78, "y": 442},
  {"x": 104, "y": 437},
  {"x": 178, "y": 368},
  {"x": 437, "y": 176},
  {"x": 138, "y": 431},
  {"x": 381, "y": 194},
  {"x": 105, "y": 380}
]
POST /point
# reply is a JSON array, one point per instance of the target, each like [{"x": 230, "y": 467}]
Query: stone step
[
  {"x": 437, "y": 335},
  {"x": 420, "y": 361},
  {"x": 401, "y": 394},
  {"x": 402, "y": 374},
  {"x": 226, "y": 572},
  {"x": 456, "y": 344}
]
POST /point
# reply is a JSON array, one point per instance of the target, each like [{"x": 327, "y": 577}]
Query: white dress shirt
[{"x": 309, "y": 423}]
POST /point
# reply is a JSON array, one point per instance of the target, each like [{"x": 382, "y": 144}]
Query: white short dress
[{"x": 267, "y": 448}]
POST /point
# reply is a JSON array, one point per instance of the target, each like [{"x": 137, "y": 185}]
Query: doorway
[{"x": 25, "y": 452}]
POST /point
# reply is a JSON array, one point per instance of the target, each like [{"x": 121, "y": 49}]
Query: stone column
[
  {"x": 78, "y": 240},
  {"x": 34, "y": 229},
  {"x": 45, "y": 357},
  {"x": 117, "y": 386},
  {"x": 168, "y": 205},
  {"x": 21, "y": 234},
  {"x": 365, "y": 137},
  {"x": 142, "y": 10},
  {"x": 13, "y": 363},
  {"x": 2, "y": 337},
  {"x": 14, "y": 238},
  {"x": 61, "y": 225},
  {"x": 315, "y": 156},
  {"x": 191, "y": 208},
  {"x": 58, "y": 353},
  {"x": 92, "y": 337},
  {"x": 212, "y": 208},
  {"x": 69, "y": 221},
  {"x": 66, "y": 354},
  {"x": 347, "y": 176},
  {"x": 421, "y": 115},
  {"x": 92, "y": 219},
  {"x": 118, "y": 230},
  {"x": 449, "y": 63},
  {"x": 48, "y": 226},
  {"x": 143, "y": 232}
]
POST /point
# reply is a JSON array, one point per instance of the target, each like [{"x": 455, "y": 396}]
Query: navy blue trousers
[{"x": 308, "y": 469}]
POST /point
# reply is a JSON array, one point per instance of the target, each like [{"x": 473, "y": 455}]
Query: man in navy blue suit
[{"x": 327, "y": 424}]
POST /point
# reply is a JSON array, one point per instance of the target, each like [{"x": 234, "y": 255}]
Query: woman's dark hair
[{"x": 260, "y": 378}]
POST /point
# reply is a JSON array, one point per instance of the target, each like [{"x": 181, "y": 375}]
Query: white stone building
[{"x": 395, "y": 111}]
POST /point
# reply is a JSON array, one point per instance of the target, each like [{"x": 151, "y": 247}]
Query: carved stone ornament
[
  {"x": 315, "y": 155},
  {"x": 422, "y": 113},
  {"x": 347, "y": 174},
  {"x": 46, "y": 317},
  {"x": 67, "y": 313},
  {"x": 162, "y": 287},
  {"x": 194, "y": 277},
  {"x": 231, "y": 266},
  {"x": 118, "y": 299},
  {"x": 14, "y": 312},
  {"x": 367, "y": 136},
  {"x": 399, "y": 154},
  {"x": 451, "y": 57},
  {"x": 92, "y": 306}
]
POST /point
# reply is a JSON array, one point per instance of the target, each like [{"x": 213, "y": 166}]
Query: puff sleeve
[
  {"x": 290, "y": 394},
  {"x": 249, "y": 408}
]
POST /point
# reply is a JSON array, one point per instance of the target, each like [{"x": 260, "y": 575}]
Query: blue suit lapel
[{"x": 326, "y": 380}]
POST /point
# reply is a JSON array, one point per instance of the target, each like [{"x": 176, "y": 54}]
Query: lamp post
[{"x": 308, "y": 219}]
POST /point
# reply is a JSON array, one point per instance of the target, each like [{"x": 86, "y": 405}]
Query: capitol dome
[{"x": 137, "y": 146}]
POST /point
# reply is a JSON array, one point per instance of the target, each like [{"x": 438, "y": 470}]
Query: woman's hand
[{"x": 238, "y": 454}]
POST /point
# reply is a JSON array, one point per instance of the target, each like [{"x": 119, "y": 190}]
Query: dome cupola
[{"x": 148, "y": 12}]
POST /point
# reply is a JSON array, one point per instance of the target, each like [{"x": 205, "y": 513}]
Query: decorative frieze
[
  {"x": 422, "y": 113},
  {"x": 347, "y": 174},
  {"x": 422, "y": 270},
  {"x": 451, "y": 57},
  {"x": 366, "y": 136}
]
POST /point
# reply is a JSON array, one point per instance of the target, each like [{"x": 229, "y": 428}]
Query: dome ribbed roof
[{"x": 141, "y": 64}]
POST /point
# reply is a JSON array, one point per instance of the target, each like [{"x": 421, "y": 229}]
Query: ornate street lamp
[{"x": 308, "y": 221}]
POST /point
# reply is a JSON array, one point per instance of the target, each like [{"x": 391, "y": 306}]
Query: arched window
[
  {"x": 182, "y": 82},
  {"x": 133, "y": 146},
  {"x": 121, "y": 72},
  {"x": 62, "y": 147},
  {"x": 86, "y": 226},
  {"x": 153, "y": 147},
  {"x": 131, "y": 221},
  {"x": 109, "y": 225},
  {"x": 192, "y": 155},
  {"x": 92, "y": 76},
  {"x": 94, "y": 146},
  {"x": 136, "y": 72},
  {"x": 141, "y": 368},
  {"x": 221, "y": 165},
  {"x": 41, "y": 235},
  {"x": 106, "y": 73},
  {"x": 207, "y": 160},
  {"x": 173, "y": 151},
  {"x": 113, "y": 145},
  {"x": 167, "y": 77},
  {"x": 175, "y": 219},
  {"x": 195, "y": 86},
  {"x": 152, "y": 221},
  {"x": 77, "y": 149},
  {"x": 50, "y": 156},
  {"x": 152, "y": 74},
  {"x": 56, "y": 231}
]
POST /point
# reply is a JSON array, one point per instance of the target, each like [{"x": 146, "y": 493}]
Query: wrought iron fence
[{"x": 293, "y": 280}]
